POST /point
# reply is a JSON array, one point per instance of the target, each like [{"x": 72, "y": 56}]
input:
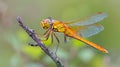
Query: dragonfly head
[{"x": 47, "y": 23}]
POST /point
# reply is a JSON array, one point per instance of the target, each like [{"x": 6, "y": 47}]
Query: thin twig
[{"x": 32, "y": 34}]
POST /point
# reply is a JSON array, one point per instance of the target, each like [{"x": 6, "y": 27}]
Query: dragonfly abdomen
[{"x": 91, "y": 44}]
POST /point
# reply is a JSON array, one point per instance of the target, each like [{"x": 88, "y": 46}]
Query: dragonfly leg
[
  {"x": 49, "y": 29},
  {"x": 44, "y": 35},
  {"x": 32, "y": 44},
  {"x": 65, "y": 38},
  {"x": 57, "y": 44},
  {"x": 51, "y": 38},
  {"x": 47, "y": 36}
]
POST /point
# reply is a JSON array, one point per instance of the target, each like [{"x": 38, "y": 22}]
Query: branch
[{"x": 32, "y": 34}]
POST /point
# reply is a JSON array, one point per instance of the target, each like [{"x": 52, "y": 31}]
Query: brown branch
[{"x": 32, "y": 34}]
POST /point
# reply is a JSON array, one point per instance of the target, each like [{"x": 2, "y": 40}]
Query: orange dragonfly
[{"x": 79, "y": 29}]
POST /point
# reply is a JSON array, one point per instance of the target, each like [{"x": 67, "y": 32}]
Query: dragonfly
[{"x": 78, "y": 29}]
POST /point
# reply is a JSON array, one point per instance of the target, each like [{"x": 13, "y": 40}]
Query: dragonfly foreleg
[
  {"x": 47, "y": 35},
  {"x": 47, "y": 31}
]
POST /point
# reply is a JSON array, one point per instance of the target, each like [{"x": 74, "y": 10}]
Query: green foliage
[
  {"x": 33, "y": 52},
  {"x": 22, "y": 35},
  {"x": 86, "y": 55}
]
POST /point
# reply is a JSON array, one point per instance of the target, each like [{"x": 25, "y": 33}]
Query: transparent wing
[
  {"x": 88, "y": 20},
  {"x": 89, "y": 30}
]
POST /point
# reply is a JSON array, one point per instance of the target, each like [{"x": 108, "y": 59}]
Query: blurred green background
[{"x": 14, "y": 49}]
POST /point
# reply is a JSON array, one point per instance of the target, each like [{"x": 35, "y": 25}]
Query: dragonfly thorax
[{"x": 58, "y": 26}]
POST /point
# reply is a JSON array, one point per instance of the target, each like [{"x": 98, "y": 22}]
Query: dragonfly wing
[
  {"x": 88, "y": 20},
  {"x": 89, "y": 30}
]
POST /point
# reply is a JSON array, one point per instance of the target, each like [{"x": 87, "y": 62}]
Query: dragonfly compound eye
[{"x": 45, "y": 25}]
